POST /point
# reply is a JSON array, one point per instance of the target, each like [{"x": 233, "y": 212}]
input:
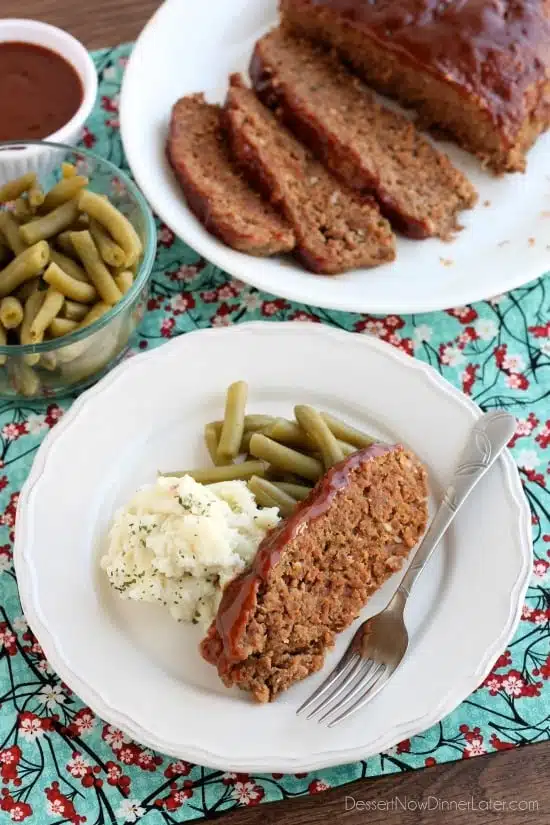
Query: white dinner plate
[
  {"x": 193, "y": 46},
  {"x": 141, "y": 670}
]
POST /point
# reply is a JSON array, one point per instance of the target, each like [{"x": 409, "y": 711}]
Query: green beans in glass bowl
[{"x": 77, "y": 246}]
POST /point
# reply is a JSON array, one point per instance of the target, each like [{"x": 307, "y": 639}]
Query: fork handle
[{"x": 485, "y": 443}]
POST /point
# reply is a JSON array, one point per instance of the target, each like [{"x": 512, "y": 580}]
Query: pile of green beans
[
  {"x": 66, "y": 257},
  {"x": 280, "y": 459}
]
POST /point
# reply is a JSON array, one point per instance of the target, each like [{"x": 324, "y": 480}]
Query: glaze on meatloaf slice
[
  {"x": 371, "y": 148},
  {"x": 479, "y": 69},
  {"x": 214, "y": 189},
  {"x": 314, "y": 571},
  {"x": 336, "y": 230}
]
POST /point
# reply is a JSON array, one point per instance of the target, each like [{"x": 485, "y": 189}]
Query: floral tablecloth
[{"x": 60, "y": 763}]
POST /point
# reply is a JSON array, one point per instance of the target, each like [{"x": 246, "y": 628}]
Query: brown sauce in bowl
[{"x": 39, "y": 91}]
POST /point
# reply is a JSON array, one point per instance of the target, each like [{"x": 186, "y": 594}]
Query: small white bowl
[{"x": 16, "y": 162}]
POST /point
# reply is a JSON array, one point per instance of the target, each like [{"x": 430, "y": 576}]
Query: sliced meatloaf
[
  {"x": 479, "y": 69},
  {"x": 336, "y": 230},
  {"x": 215, "y": 190},
  {"x": 372, "y": 148},
  {"x": 315, "y": 571}
]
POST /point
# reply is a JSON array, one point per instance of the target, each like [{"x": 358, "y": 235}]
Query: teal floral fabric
[{"x": 60, "y": 763}]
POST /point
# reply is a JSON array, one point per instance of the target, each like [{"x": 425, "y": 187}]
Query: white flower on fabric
[
  {"x": 19, "y": 624},
  {"x": 251, "y": 300},
  {"x": 422, "y": 333},
  {"x": 452, "y": 356},
  {"x": 51, "y": 696},
  {"x": 545, "y": 347},
  {"x": 129, "y": 810},
  {"x": 36, "y": 423},
  {"x": 5, "y": 563},
  {"x": 514, "y": 363},
  {"x": 528, "y": 459},
  {"x": 109, "y": 73},
  {"x": 485, "y": 328}
]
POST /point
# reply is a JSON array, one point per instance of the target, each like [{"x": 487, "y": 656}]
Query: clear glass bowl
[{"x": 62, "y": 366}]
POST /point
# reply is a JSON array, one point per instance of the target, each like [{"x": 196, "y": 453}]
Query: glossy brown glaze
[
  {"x": 493, "y": 49},
  {"x": 239, "y": 597},
  {"x": 39, "y": 91}
]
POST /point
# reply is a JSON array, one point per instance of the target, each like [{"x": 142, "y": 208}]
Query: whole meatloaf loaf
[
  {"x": 335, "y": 228},
  {"x": 214, "y": 189},
  {"x": 315, "y": 570},
  {"x": 372, "y": 148},
  {"x": 479, "y": 69}
]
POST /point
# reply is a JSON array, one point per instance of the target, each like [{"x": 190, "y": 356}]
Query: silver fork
[{"x": 379, "y": 645}]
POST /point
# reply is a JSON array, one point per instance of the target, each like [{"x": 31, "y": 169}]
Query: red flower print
[
  {"x": 540, "y": 568},
  {"x": 109, "y": 104},
  {"x": 469, "y": 377},
  {"x": 88, "y": 138},
  {"x": 112, "y": 123},
  {"x": 181, "y": 303},
  {"x": 500, "y": 354},
  {"x": 186, "y": 272},
  {"x": 10, "y": 432},
  {"x": 372, "y": 326},
  {"x": 227, "y": 291},
  {"x": 474, "y": 742},
  {"x": 210, "y": 296},
  {"x": 317, "y": 786},
  {"x": 301, "y": 315},
  {"x": 18, "y": 811},
  {"x": 31, "y": 726},
  {"x": 544, "y": 670},
  {"x": 222, "y": 318},
  {"x": 499, "y": 745},
  {"x": 542, "y": 331},
  {"x": 464, "y": 314},
  {"x": 513, "y": 683},
  {"x": 165, "y": 236},
  {"x": 83, "y": 722},
  {"x": 517, "y": 382},
  {"x": 404, "y": 746},
  {"x": 60, "y": 805},
  {"x": 8, "y": 639},
  {"x": 53, "y": 414},
  {"x": 166, "y": 327},
  {"x": 493, "y": 683},
  {"x": 466, "y": 337},
  {"x": 543, "y": 438},
  {"x": 393, "y": 322},
  {"x": 9, "y": 760},
  {"x": 405, "y": 344},
  {"x": 129, "y": 754},
  {"x": 114, "y": 737},
  {"x": 147, "y": 761},
  {"x": 524, "y": 427},
  {"x": 3, "y": 482},
  {"x": 179, "y": 768},
  {"x": 153, "y": 303},
  {"x": 430, "y": 762},
  {"x": 270, "y": 308},
  {"x": 247, "y": 793},
  {"x": 503, "y": 660},
  {"x": 176, "y": 799}
]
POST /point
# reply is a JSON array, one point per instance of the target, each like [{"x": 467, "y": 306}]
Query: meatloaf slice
[
  {"x": 336, "y": 230},
  {"x": 372, "y": 148},
  {"x": 214, "y": 189},
  {"x": 315, "y": 571},
  {"x": 479, "y": 69}
]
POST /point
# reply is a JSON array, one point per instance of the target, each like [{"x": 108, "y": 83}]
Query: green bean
[
  {"x": 64, "y": 243},
  {"x": 262, "y": 498},
  {"x": 347, "y": 433},
  {"x": 49, "y": 310},
  {"x": 260, "y": 487},
  {"x": 26, "y": 381},
  {"x": 3, "y": 342},
  {"x": 11, "y": 312},
  {"x": 5, "y": 252},
  {"x": 297, "y": 491},
  {"x": 65, "y": 190},
  {"x": 251, "y": 422},
  {"x": 211, "y": 441},
  {"x": 347, "y": 449},
  {"x": 48, "y": 361},
  {"x": 22, "y": 209},
  {"x": 36, "y": 196},
  {"x": 114, "y": 222},
  {"x": 285, "y": 458},
  {"x": 233, "y": 422},
  {"x": 229, "y": 472},
  {"x": 11, "y": 190},
  {"x": 74, "y": 311},
  {"x": 68, "y": 170},
  {"x": 27, "y": 265},
  {"x": 40, "y": 229},
  {"x": 289, "y": 433},
  {"x": 69, "y": 266},
  {"x": 31, "y": 308},
  {"x": 317, "y": 429},
  {"x": 61, "y": 326},
  {"x": 10, "y": 231},
  {"x": 71, "y": 288},
  {"x": 124, "y": 280},
  {"x": 97, "y": 271},
  {"x": 27, "y": 289},
  {"x": 110, "y": 251},
  {"x": 95, "y": 313}
]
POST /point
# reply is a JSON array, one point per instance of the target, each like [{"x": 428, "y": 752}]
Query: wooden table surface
[{"x": 459, "y": 793}]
